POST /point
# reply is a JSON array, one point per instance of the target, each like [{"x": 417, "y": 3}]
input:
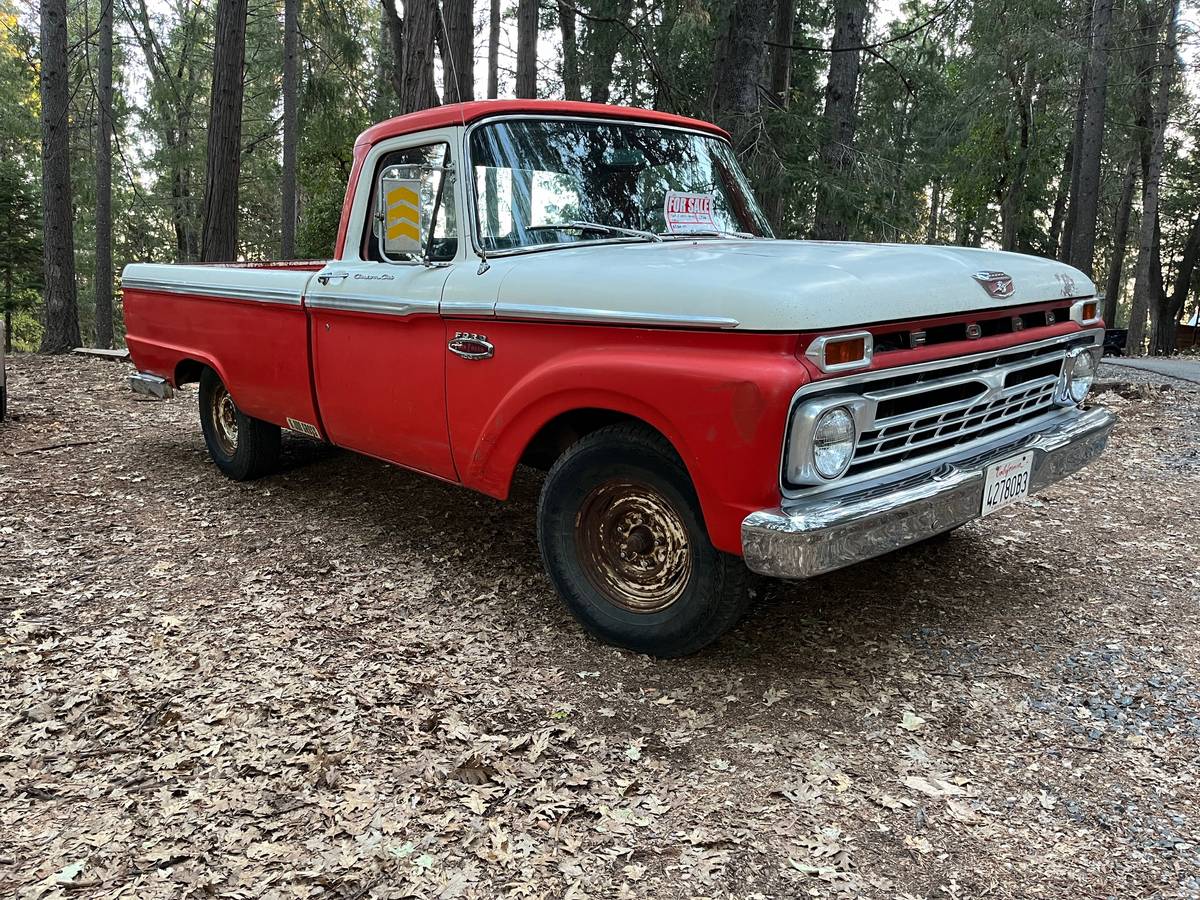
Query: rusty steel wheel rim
[
  {"x": 633, "y": 546},
  {"x": 224, "y": 419}
]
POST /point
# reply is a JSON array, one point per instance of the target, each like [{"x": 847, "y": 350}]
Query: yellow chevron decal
[{"x": 401, "y": 229}]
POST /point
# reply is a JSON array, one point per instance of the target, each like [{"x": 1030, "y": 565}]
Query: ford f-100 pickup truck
[{"x": 594, "y": 291}]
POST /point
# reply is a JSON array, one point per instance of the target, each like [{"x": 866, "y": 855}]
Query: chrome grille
[
  {"x": 986, "y": 401},
  {"x": 915, "y": 414}
]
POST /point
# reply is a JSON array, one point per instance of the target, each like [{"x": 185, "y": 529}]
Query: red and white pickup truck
[{"x": 594, "y": 291}]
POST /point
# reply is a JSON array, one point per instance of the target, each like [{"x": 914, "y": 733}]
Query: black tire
[
  {"x": 623, "y": 539},
  {"x": 244, "y": 448}
]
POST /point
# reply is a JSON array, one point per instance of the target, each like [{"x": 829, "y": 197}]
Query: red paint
[
  {"x": 381, "y": 384},
  {"x": 360, "y": 155},
  {"x": 466, "y": 113},
  {"x": 929, "y": 353},
  {"x": 258, "y": 349},
  {"x": 691, "y": 386}
]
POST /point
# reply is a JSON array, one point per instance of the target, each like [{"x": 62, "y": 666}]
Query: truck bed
[{"x": 245, "y": 320}]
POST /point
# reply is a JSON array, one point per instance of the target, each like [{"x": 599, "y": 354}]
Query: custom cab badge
[{"x": 997, "y": 284}]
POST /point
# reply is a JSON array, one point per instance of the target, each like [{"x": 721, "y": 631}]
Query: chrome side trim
[
  {"x": 366, "y": 303},
  {"x": 807, "y": 538},
  {"x": 610, "y": 316},
  {"x": 472, "y": 308},
  {"x": 151, "y": 386},
  {"x": 282, "y": 296}
]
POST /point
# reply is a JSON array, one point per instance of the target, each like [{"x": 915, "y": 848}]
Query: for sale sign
[{"x": 688, "y": 213}]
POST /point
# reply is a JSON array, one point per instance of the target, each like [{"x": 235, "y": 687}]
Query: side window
[{"x": 412, "y": 214}]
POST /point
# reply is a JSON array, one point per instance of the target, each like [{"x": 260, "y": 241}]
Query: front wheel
[
  {"x": 621, "y": 534},
  {"x": 243, "y": 447}
]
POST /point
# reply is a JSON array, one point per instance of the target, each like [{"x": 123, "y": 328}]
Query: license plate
[{"x": 1007, "y": 482}]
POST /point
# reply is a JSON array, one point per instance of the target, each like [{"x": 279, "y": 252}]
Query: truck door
[{"x": 379, "y": 348}]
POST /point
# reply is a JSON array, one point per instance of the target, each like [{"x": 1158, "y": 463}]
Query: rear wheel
[
  {"x": 623, "y": 540},
  {"x": 243, "y": 447}
]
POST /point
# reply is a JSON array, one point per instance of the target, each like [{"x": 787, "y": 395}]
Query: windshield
[{"x": 544, "y": 182}]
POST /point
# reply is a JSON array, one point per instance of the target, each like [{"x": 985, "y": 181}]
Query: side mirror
[{"x": 400, "y": 203}]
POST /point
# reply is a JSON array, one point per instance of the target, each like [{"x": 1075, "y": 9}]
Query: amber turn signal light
[
  {"x": 842, "y": 353},
  {"x": 836, "y": 352},
  {"x": 1086, "y": 312}
]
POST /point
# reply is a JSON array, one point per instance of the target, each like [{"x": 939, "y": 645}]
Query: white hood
[{"x": 779, "y": 285}]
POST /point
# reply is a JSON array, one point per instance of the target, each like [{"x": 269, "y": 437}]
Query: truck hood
[{"x": 769, "y": 285}]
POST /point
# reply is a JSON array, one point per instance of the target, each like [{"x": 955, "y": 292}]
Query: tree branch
[{"x": 874, "y": 46}]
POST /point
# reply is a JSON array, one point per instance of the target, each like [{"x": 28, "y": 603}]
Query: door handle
[
  {"x": 327, "y": 277},
  {"x": 472, "y": 346}
]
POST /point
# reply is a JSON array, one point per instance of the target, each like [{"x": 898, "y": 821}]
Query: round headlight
[
  {"x": 1080, "y": 375},
  {"x": 833, "y": 442}
]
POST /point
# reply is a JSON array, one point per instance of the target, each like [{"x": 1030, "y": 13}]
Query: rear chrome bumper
[
  {"x": 809, "y": 537},
  {"x": 151, "y": 386}
]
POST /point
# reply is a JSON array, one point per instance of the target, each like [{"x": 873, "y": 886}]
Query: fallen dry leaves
[{"x": 348, "y": 681}]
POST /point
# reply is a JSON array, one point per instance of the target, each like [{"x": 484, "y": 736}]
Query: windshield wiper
[{"x": 613, "y": 229}]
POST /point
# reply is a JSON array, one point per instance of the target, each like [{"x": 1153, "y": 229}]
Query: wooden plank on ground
[{"x": 119, "y": 355}]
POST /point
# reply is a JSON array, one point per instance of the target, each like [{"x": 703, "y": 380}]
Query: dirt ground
[{"x": 349, "y": 681}]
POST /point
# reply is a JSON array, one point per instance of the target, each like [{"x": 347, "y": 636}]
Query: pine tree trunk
[
  {"x": 1013, "y": 211},
  {"x": 8, "y": 290},
  {"x": 1116, "y": 266},
  {"x": 782, "y": 31},
  {"x": 1094, "y": 92},
  {"x": 458, "y": 73},
  {"x": 58, "y": 235},
  {"x": 603, "y": 40},
  {"x": 1068, "y": 234},
  {"x": 527, "y": 35},
  {"x": 493, "y": 84},
  {"x": 841, "y": 92},
  {"x": 291, "y": 121},
  {"x": 417, "y": 87},
  {"x": 773, "y": 187},
  {"x": 1166, "y": 316},
  {"x": 104, "y": 136},
  {"x": 1147, "y": 286},
  {"x": 741, "y": 59},
  {"x": 935, "y": 212},
  {"x": 572, "y": 89},
  {"x": 1054, "y": 248},
  {"x": 223, "y": 170}
]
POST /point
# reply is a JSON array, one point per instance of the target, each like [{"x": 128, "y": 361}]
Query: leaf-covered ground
[{"x": 349, "y": 681}]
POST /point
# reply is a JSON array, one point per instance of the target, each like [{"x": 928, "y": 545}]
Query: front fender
[{"x": 721, "y": 400}]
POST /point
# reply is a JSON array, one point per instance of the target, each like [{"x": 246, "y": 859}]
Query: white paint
[{"x": 780, "y": 285}]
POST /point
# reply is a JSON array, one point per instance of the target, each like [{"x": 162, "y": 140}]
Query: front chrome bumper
[{"x": 806, "y": 538}]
